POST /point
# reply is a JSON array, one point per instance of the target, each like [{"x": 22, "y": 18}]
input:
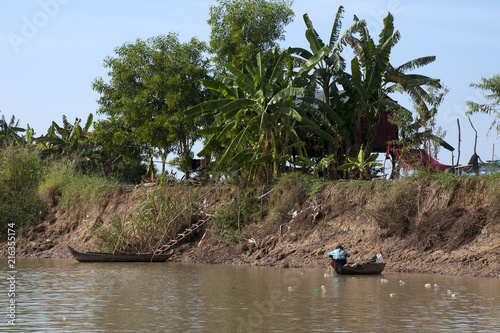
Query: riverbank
[{"x": 420, "y": 225}]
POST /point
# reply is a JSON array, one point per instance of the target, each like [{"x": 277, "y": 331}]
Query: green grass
[
  {"x": 84, "y": 191},
  {"x": 20, "y": 174},
  {"x": 65, "y": 187}
]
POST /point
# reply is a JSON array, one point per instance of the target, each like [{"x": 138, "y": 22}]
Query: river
[{"x": 62, "y": 295}]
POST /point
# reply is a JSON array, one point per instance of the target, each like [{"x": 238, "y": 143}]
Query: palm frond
[
  {"x": 337, "y": 26},
  {"x": 415, "y": 63}
]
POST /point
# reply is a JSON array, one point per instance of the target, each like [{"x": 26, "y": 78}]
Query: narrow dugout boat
[
  {"x": 118, "y": 257},
  {"x": 367, "y": 268}
]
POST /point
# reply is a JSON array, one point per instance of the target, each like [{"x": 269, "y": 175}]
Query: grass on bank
[
  {"x": 20, "y": 174},
  {"x": 163, "y": 213},
  {"x": 29, "y": 186},
  {"x": 63, "y": 186}
]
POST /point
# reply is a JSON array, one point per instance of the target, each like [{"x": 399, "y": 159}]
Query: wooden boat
[
  {"x": 367, "y": 268},
  {"x": 118, "y": 257}
]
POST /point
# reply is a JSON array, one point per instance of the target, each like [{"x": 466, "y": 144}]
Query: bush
[
  {"x": 65, "y": 187},
  {"x": 20, "y": 174},
  {"x": 55, "y": 178}
]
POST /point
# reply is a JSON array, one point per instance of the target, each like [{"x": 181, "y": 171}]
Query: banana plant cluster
[
  {"x": 254, "y": 126},
  {"x": 352, "y": 102},
  {"x": 361, "y": 164},
  {"x": 265, "y": 114},
  {"x": 69, "y": 140}
]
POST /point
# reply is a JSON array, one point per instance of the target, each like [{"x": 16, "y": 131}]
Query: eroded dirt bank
[{"x": 419, "y": 225}]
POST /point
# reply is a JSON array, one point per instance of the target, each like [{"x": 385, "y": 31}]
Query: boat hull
[
  {"x": 117, "y": 257},
  {"x": 368, "y": 268}
]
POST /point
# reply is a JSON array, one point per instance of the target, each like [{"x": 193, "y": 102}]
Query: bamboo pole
[{"x": 459, "y": 140}]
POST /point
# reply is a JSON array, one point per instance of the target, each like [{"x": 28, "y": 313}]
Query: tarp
[
  {"x": 412, "y": 159},
  {"x": 488, "y": 167}
]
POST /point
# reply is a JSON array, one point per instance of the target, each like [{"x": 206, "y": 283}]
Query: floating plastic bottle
[{"x": 322, "y": 290}]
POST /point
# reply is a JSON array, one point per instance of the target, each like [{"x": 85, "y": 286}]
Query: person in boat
[
  {"x": 339, "y": 255},
  {"x": 377, "y": 257}
]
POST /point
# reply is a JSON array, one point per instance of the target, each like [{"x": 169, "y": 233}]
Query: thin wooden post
[{"x": 459, "y": 140}]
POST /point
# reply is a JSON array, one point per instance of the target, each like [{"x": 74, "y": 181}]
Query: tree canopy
[
  {"x": 493, "y": 108},
  {"x": 242, "y": 28},
  {"x": 150, "y": 83}
]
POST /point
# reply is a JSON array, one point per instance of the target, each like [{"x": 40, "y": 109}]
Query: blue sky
[{"x": 52, "y": 50}]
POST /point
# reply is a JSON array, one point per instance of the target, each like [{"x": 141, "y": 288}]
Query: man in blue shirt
[{"x": 339, "y": 255}]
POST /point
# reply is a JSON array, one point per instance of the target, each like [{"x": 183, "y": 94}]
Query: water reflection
[{"x": 66, "y": 296}]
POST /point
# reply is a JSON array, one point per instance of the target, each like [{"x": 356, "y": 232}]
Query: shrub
[
  {"x": 65, "y": 187},
  {"x": 20, "y": 174}
]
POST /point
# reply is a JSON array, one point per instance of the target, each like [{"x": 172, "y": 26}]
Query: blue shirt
[{"x": 339, "y": 254}]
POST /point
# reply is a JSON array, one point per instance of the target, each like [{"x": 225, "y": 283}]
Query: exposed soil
[{"x": 439, "y": 231}]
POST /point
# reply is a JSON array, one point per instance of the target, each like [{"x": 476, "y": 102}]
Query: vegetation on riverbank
[
  {"x": 259, "y": 117},
  {"x": 31, "y": 185},
  {"x": 448, "y": 224}
]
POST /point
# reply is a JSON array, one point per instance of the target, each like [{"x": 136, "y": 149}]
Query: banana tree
[
  {"x": 373, "y": 78},
  {"x": 361, "y": 164},
  {"x": 66, "y": 140},
  {"x": 255, "y": 119},
  {"x": 328, "y": 111},
  {"x": 9, "y": 130}
]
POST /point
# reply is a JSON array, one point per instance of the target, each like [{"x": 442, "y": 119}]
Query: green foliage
[
  {"x": 255, "y": 120},
  {"x": 150, "y": 83},
  {"x": 20, "y": 174},
  {"x": 373, "y": 78},
  {"x": 423, "y": 130},
  {"x": 327, "y": 112},
  {"x": 9, "y": 131},
  {"x": 55, "y": 177},
  {"x": 69, "y": 140},
  {"x": 493, "y": 108},
  {"x": 240, "y": 29},
  {"x": 361, "y": 164},
  {"x": 84, "y": 191},
  {"x": 69, "y": 189}
]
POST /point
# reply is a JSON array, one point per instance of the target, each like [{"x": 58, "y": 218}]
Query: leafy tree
[
  {"x": 151, "y": 82},
  {"x": 493, "y": 108},
  {"x": 242, "y": 28},
  {"x": 255, "y": 119}
]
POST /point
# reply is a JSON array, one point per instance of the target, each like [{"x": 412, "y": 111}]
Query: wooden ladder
[{"x": 174, "y": 241}]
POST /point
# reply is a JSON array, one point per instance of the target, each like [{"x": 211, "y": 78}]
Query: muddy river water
[{"x": 62, "y": 295}]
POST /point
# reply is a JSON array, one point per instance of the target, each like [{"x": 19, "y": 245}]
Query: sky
[{"x": 52, "y": 50}]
